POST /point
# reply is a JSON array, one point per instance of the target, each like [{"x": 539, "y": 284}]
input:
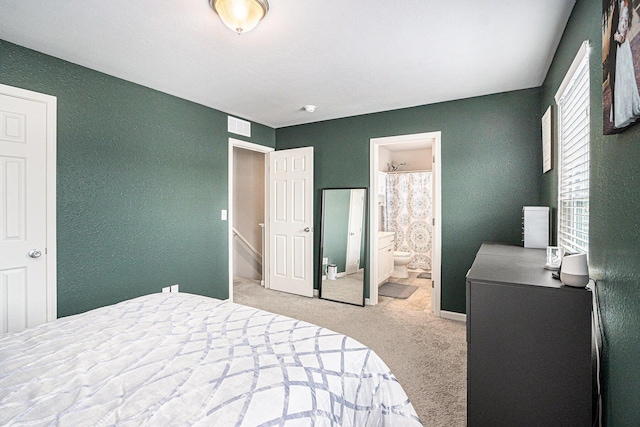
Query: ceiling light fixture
[
  {"x": 309, "y": 108},
  {"x": 240, "y": 15}
]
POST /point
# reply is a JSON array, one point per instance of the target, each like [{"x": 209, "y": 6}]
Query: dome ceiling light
[{"x": 240, "y": 15}]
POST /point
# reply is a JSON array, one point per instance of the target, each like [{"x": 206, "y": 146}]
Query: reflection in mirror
[{"x": 343, "y": 245}]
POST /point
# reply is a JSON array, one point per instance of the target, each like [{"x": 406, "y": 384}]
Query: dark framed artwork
[{"x": 620, "y": 65}]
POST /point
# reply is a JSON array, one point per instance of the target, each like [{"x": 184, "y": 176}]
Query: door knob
[
  {"x": 35, "y": 253},
  {"x": 307, "y": 229}
]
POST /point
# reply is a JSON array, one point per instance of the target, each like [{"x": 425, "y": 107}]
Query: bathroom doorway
[{"x": 402, "y": 163}]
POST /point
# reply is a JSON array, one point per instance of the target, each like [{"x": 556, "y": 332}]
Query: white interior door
[
  {"x": 25, "y": 299},
  {"x": 354, "y": 240},
  {"x": 291, "y": 221}
]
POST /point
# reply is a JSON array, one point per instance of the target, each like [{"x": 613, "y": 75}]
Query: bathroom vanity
[{"x": 386, "y": 241}]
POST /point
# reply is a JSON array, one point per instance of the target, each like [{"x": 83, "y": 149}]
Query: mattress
[{"x": 181, "y": 359}]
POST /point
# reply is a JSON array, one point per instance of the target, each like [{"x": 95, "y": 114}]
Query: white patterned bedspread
[{"x": 181, "y": 359}]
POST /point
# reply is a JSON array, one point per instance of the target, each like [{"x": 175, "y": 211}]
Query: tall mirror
[{"x": 343, "y": 243}]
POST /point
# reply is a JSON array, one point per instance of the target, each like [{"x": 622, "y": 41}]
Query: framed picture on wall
[
  {"x": 547, "y": 140},
  {"x": 620, "y": 64}
]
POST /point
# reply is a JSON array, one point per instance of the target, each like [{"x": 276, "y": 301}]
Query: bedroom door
[
  {"x": 291, "y": 221},
  {"x": 27, "y": 298},
  {"x": 354, "y": 240}
]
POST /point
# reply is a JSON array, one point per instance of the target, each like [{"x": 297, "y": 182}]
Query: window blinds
[{"x": 573, "y": 176}]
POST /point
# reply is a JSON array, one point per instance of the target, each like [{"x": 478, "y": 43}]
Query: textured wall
[
  {"x": 141, "y": 180},
  {"x": 491, "y": 167},
  {"x": 614, "y": 251}
]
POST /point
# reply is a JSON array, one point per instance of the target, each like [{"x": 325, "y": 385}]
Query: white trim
[
  {"x": 569, "y": 239},
  {"x": 582, "y": 52},
  {"x": 265, "y": 256},
  {"x": 436, "y": 257},
  {"x": 52, "y": 249},
  {"x": 452, "y": 315},
  {"x": 51, "y": 105},
  {"x": 436, "y": 275}
]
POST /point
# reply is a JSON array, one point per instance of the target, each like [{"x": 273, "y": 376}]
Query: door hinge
[{"x": 434, "y": 158}]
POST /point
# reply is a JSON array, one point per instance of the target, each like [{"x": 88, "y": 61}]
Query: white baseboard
[
  {"x": 452, "y": 315},
  {"x": 316, "y": 293}
]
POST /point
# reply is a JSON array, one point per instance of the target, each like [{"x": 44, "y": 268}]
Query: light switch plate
[{"x": 223, "y": 214}]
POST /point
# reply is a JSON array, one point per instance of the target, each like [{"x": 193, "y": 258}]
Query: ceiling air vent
[{"x": 240, "y": 127}]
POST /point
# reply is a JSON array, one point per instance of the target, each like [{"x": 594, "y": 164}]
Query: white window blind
[{"x": 573, "y": 174}]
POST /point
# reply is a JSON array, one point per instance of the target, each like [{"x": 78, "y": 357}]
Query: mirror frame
[{"x": 365, "y": 236}]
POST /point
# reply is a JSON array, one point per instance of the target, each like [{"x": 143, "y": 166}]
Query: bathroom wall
[
  {"x": 248, "y": 212},
  {"x": 381, "y": 209},
  {"x": 416, "y": 160},
  {"x": 384, "y": 158}
]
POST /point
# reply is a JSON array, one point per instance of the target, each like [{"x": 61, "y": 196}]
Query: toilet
[{"x": 400, "y": 262}]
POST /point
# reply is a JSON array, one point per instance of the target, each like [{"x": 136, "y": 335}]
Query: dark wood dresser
[{"x": 529, "y": 342}]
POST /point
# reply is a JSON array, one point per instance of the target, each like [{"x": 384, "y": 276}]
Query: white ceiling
[{"x": 346, "y": 57}]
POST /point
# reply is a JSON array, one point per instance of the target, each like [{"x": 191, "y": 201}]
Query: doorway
[
  {"x": 413, "y": 141},
  {"x": 287, "y": 243},
  {"x": 246, "y": 215}
]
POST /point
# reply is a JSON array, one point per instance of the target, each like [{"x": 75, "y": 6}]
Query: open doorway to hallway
[
  {"x": 281, "y": 198},
  {"x": 247, "y": 190}
]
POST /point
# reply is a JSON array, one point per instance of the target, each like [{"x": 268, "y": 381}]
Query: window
[{"x": 573, "y": 156}]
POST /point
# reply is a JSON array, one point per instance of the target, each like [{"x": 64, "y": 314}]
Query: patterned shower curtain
[{"x": 408, "y": 214}]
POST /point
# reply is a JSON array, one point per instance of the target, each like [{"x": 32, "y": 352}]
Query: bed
[{"x": 181, "y": 359}]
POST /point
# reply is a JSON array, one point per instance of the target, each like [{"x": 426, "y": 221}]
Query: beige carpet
[
  {"x": 426, "y": 354},
  {"x": 349, "y": 288}
]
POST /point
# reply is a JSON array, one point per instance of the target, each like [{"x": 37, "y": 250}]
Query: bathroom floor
[{"x": 420, "y": 300}]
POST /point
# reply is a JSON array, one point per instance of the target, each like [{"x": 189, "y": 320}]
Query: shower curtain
[{"x": 408, "y": 214}]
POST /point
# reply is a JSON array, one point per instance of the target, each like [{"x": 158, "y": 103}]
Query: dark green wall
[
  {"x": 614, "y": 240},
  {"x": 142, "y": 177},
  {"x": 491, "y": 167},
  {"x": 141, "y": 180}
]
